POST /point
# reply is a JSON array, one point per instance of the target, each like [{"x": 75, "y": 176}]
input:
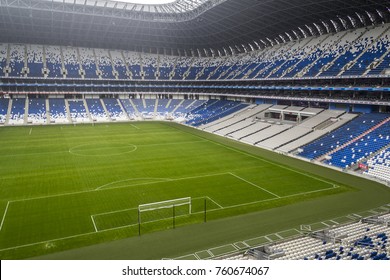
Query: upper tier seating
[
  {"x": 71, "y": 62},
  {"x": 358, "y": 52},
  {"x": 53, "y": 61},
  {"x": 3, "y": 58}
]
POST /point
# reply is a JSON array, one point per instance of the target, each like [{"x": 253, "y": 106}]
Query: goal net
[{"x": 164, "y": 209}]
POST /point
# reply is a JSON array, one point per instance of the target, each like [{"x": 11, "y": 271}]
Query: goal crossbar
[{"x": 165, "y": 204}]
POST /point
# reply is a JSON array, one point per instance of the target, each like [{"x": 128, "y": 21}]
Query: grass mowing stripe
[
  {"x": 182, "y": 157},
  {"x": 257, "y": 157},
  {"x": 110, "y": 229},
  {"x": 119, "y": 187}
]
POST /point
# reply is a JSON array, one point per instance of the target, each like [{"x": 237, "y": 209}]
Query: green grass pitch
[{"x": 66, "y": 187}]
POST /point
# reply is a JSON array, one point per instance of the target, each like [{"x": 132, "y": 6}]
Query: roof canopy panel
[{"x": 193, "y": 26}]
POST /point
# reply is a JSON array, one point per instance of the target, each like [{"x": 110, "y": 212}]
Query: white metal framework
[
  {"x": 183, "y": 205},
  {"x": 166, "y": 7}
]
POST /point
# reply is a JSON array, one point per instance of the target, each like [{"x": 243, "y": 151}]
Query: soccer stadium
[{"x": 195, "y": 129}]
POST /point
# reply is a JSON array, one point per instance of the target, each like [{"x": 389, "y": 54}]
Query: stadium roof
[{"x": 194, "y": 26}]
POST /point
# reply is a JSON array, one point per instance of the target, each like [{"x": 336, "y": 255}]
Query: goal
[{"x": 164, "y": 209}]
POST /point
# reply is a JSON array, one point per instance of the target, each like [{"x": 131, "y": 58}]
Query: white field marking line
[
  {"x": 94, "y": 224},
  {"x": 30, "y": 132},
  {"x": 129, "y": 145},
  {"x": 134, "y": 179},
  {"x": 193, "y": 255},
  {"x": 92, "y": 137},
  {"x": 104, "y": 230},
  {"x": 46, "y": 241},
  {"x": 215, "y": 248},
  {"x": 99, "y": 149},
  {"x": 5, "y": 213},
  {"x": 250, "y": 183},
  {"x": 271, "y": 199},
  {"x": 33, "y": 154},
  {"x": 213, "y": 201},
  {"x": 136, "y": 208},
  {"x": 134, "y": 126},
  {"x": 171, "y": 143},
  {"x": 210, "y": 253},
  {"x": 119, "y": 187},
  {"x": 114, "y": 212},
  {"x": 259, "y": 158},
  {"x": 28, "y": 175},
  {"x": 143, "y": 223}
]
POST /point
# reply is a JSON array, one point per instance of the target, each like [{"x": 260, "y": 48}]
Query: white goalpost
[{"x": 162, "y": 209}]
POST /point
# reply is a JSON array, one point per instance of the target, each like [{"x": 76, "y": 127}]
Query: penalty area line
[
  {"x": 136, "y": 127},
  {"x": 131, "y": 225},
  {"x": 250, "y": 183},
  {"x": 30, "y": 132},
  {"x": 213, "y": 201},
  {"x": 5, "y": 213},
  {"x": 94, "y": 224}
]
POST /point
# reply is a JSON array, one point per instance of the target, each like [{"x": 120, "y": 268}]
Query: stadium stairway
[
  {"x": 47, "y": 111},
  {"x": 106, "y": 111},
  {"x": 87, "y": 111}
]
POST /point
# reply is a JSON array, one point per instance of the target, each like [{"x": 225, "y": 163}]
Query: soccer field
[{"x": 66, "y": 187}]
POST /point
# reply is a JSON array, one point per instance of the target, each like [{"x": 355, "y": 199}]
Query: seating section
[
  {"x": 3, "y": 58},
  {"x": 71, "y": 62},
  {"x": 37, "y": 111},
  {"x": 379, "y": 166},
  {"x": 187, "y": 106},
  {"x": 362, "y": 148},
  {"x": 104, "y": 64},
  {"x": 77, "y": 111},
  {"x": 88, "y": 63},
  {"x": 356, "y": 241},
  {"x": 53, "y": 61},
  {"x": 342, "y": 136},
  {"x": 358, "y": 52},
  {"x": 4, "y": 102},
  {"x": 17, "y": 111},
  {"x": 16, "y": 61},
  {"x": 213, "y": 110},
  {"x": 96, "y": 110},
  {"x": 114, "y": 110},
  {"x": 35, "y": 61},
  {"x": 58, "y": 111},
  {"x": 119, "y": 64},
  {"x": 134, "y": 61},
  {"x": 129, "y": 108}
]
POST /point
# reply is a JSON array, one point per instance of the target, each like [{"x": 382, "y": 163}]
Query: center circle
[{"x": 102, "y": 149}]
